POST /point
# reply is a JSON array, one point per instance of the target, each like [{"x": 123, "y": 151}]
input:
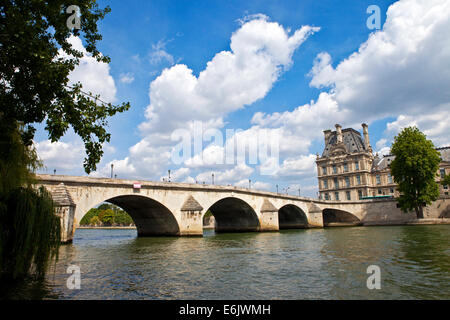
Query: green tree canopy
[
  {"x": 414, "y": 170},
  {"x": 107, "y": 214},
  {"x": 94, "y": 212},
  {"x": 95, "y": 221},
  {"x": 446, "y": 180},
  {"x": 108, "y": 217},
  {"x": 29, "y": 230},
  {"x": 34, "y": 78}
]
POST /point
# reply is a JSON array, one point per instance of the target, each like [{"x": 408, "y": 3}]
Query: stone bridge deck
[{"x": 169, "y": 208}]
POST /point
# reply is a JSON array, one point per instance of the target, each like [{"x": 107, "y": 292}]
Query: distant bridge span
[{"x": 177, "y": 209}]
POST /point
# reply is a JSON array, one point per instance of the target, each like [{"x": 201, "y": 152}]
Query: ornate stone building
[{"x": 348, "y": 169}]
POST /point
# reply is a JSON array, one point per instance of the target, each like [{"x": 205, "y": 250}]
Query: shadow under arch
[
  {"x": 234, "y": 215},
  {"x": 335, "y": 217},
  {"x": 151, "y": 217},
  {"x": 292, "y": 217}
]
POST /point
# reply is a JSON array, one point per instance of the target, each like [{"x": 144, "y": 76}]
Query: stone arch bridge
[{"x": 177, "y": 209}]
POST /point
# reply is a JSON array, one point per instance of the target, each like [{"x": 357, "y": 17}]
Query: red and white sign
[{"x": 136, "y": 185}]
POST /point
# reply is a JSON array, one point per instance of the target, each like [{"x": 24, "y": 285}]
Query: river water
[{"x": 326, "y": 263}]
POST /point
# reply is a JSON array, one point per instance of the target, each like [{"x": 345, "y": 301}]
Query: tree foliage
[
  {"x": 414, "y": 170},
  {"x": 95, "y": 221},
  {"x": 446, "y": 180},
  {"x": 34, "y": 78},
  {"x": 106, "y": 215},
  {"x": 29, "y": 229}
]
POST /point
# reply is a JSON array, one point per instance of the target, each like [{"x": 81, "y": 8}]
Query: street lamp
[
  {"x": 299, "y": 191},
  {"x": 54, "y": 171},
  {"x": 112, "y": 168},
  {"x": 249, "y": 183},
  {"x": 277, "y": 189},
  {"x": 169, "y": 175},
  {"x": 213, "y": 178}
]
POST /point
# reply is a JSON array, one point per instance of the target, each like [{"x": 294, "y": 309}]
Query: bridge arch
[
  {"x": 292, "y": 217},
  {"x": 151, "y": 217},
  {"x": 336, "y": 217},
  {"x": 232, "y": 214}
]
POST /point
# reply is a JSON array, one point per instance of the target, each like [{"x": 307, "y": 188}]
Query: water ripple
[{"x": 294, "y": 264}]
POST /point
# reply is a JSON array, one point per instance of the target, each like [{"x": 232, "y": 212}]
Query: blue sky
[{"x": 362, "y": 75}]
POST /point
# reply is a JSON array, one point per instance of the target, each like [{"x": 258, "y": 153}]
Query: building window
[
  {"x": 358, "y": 179},
  {"x": 360, "y": 194},
  {"x": 324, "y": 171},
  {"x": 391, "y": 190},
  {"x": 336, "y": 195},
  {"x": 325, "y": 184},
  {"x": 348, "y": 195},
  {"x": 345, "y": 167},
  {"x": 334, "y": 169},
  {"x": 327, "y": 197},
  {"x": 389, "y": 178},
  {"x": 347, "y": 181},
  {"x": 445, "y": 186},
  {"x": 380, "y": 191},
  {"x": 336, "y": 183},
  {"x": 378, "y": 179},
  {"x": 357, "y": 165},
  {"x": 442, "y": 171}
]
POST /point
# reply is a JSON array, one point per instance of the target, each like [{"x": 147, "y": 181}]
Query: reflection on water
[{"x": 293, "y": 264}]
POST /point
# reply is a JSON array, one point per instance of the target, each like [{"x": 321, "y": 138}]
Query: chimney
[
  {"x": 327, "y": 134},
  {"x": 338, "y": 133},
  {"x": 366, "y": 136}
]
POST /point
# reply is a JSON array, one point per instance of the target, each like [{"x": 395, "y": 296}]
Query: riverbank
[
  {"x": 413, "y": 222},
  {"x": 88, "y": 227},
  {"x": 132, "y": 227}
]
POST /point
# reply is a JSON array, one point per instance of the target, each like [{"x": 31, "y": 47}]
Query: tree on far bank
[
  {"x": 414, "y": 170},
  {"x": 95, "y": 221},
  {"x": 107, "y": 215}
]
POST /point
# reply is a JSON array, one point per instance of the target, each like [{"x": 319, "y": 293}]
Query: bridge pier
[
  {"x": 269, "y": 217},
  {"x": 191, "y": 223},
  {"x": 65, "y": 210},
  {"x": 315, "y": 216}
]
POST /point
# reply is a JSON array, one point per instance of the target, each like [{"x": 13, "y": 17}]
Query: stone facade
[
  {"x": 348, "y": 169},
  {"x": 65, "y": 210}
]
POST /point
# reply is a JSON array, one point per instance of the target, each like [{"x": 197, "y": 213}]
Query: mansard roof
[
  {"x": 381, "y": 164},
  {"x": 352, "y": 142},
  {"x": 445, "y": 153}
]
